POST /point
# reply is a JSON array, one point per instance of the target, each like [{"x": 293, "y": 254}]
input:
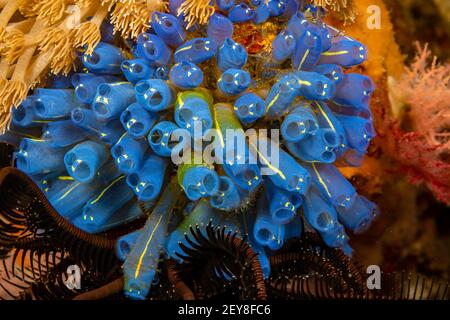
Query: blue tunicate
[
  {"x": 249, "y": 107},
  {"x": 234, "y": 81},
  {"x": 283, "y": 46},
  {"x": 137, "y": 121},
  {"x": 153, "y": 49},
  {"x": 137, "y": 69},
  {"x": 186, "y": 75},
  {"x": 219, "y": 28},
  {"x": 84, "y": 160},
  {"x": 86, "y": 84},
  {"x": 196, "y": 50},
  {"x": 231, "y": 55},
  {"x": 112, "y": 99},
  {"x": 241, "y": 13},
  {"x": 129, "y": 153},
  {"x": 154, "y": 95},
  {"x": 105, "y": 59},
  {"x": 168, "y": 28},
  {"x": 146, "y": 183}
]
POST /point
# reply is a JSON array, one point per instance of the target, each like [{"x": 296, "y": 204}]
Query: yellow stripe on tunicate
[
  {"x": 219, "y": 131},
  {"x": 123, "y": 136},
  {"x": 183, "y": 49},
  {"x": 65, "y": 178},
  {"x": 321, "y": 180},
  {"x": 141, "y": 258},
  {"x": 267, "y": 163},
  {"x": 106, "y": 189},
  {"x": 330, "y": 123},
  {"x": 272, "y": 102},
  {"x": 69, "y": 191},
  {"x": 334, "y": 53},
  {"x": 303, "y": 59}
]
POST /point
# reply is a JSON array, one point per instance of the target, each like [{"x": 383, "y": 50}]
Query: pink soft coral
[
  {"x": 426, "y": 88},
  {"x": 424, "y": 153}
]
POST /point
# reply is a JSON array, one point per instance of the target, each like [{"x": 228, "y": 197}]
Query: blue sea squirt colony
[{"x": 105, "y": 147}]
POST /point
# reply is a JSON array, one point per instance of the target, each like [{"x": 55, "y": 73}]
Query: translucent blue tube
[
  {"x": 128, "y": 153},
  {"x": 315, "y": 86},
  {"x": 227, "y": 197},
  {"x": 128, "y": 213},
  {"x": 241, "y": 13},
  {"x": 62, "y": 133},
  {"x": 231, "y": 55},
  {"x": 24, "y": 115},
  {"x": 137, "y": 69},
  {"x": 69, "y": 199},
  {"x": 359, "y": 132},
  {"x": 137, "y": 121},
  {"x": 277, "y": 7},
  {"x": 291, "y": 8},
  {"x": 345, "y": 52},
  {"x": 147, "y": 182},
  {"x": 102, "y": 206},
  {"x": 105, "y": 59},
  {"x": 219, "y": 28},
  {"x": 154, "y": 94},
  {"x": 325, "y": 36},
  {"x": 359, "y": 216},
  {"x": 283, "y": 46},
  {"x": 186, "y": 75},
  {"x": 196, "y": 50},
  {"x": 335, "y": 136},
  {"x": 199, "y": 182},
  {"x": 110, "y": 132},
  {"x": 262, "y": 13},
  {"x": 38, "y": 157},
  {"x": 159, "y": 138},
  {"x": 315, "y": 148},
  {"x": 112, "y": 99},
  {"x": 153, "y": 49},
  {"x": 323, "y": 217},
  {"x": 125, "y": 243},
  {"x": 332, "y": 184},
  {"x": 191, "y": 109},
  {"x": 225, "y": 5},
  {"x": 86, "y": 84},
  {"x": 234, "y": 81},
  {"x": 84, "y": 160},
  {"x": 85, "y": 118},
  {"x": 168, "y": 28},
  {"x": 53, "y": 103},
  {"x": 265, "y": 231},
  {"x": 281, "y": 95},
  {"x": 298, "y": 124},
  {"x": 249, "y": 107},
  {"x": 290, "y": 175},
  {"x": 141, "y": 264},
  {"x": 283, "y": 204},
  {"x": 337, "y": 238},
  {"x": 298, "y": 25},
  {"x": 331, "y": 71},
  {"x": 319, "y": 214},
  {"x": 59, "y": 82},
  {"x": 162, "y": 72},
  {"x": 354, "y": 91}
]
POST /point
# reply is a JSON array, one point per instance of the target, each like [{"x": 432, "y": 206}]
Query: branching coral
[
  {"x": 426, "y": 90},
  {"x": 423, "y": 152}
]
